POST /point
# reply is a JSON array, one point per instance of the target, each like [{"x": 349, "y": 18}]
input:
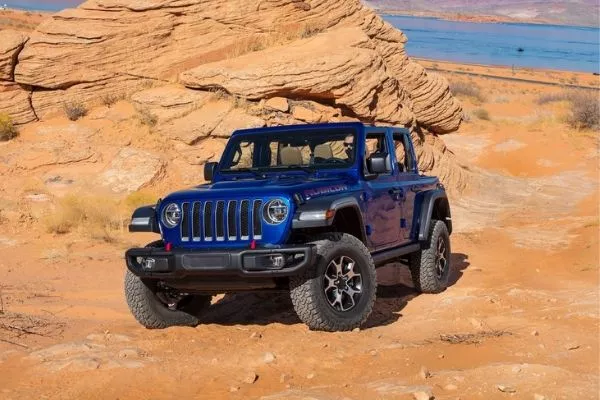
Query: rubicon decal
[{"x": 325, "y": 190}]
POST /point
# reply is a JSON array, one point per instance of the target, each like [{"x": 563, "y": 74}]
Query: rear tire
[
  {"x": 144, "y": 300},
  {"x": 338, "y": 291},
  {"x": 430, "y": 267}
]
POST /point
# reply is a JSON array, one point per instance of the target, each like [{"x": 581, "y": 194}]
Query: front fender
[
  {"x": 144, "y": 220},
  {"x": 321, "y": 212}
]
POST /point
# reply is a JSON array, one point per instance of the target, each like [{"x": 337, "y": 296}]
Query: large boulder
[
  {"x": 351, "y": 74},
  {"x": 109, "y": 45}
]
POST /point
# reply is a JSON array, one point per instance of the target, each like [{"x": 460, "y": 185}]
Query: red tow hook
[
  {"x": 168, "y": 246},
  {"x": 253, "y": 245}
]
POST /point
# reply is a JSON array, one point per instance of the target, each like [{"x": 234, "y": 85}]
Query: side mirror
[
  {"x": 379, "y": 163},
  {"x": 209, "y": 171}
]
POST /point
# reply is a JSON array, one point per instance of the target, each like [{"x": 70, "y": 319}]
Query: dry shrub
[
  {"x": 140, "y": 198},
  {"x": 7, "y": 128},
  {"x": 554, "y": 97},
  {"x": 467, "y": 89},
  {"x": 96, "y": 216},
  {"x": 75, "y": 110},
  {"x": 584, "y": 111},
  {"x": 146, "y": 117},
  {"x": 109, "y": 99},
  {"x": 281, "y": 35},
  {"x": 482, "y": 114},
  {"x": 218, "y": 93}
]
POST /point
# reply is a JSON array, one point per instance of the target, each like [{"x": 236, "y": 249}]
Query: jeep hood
[{"x": 272, "y": 185}]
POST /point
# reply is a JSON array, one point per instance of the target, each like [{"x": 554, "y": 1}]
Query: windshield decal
[{"x": 325, "y": 190}]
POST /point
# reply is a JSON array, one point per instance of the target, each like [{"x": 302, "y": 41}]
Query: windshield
[{"x": 303, "y": 150}]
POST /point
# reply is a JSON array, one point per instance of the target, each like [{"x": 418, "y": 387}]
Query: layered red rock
[{"x": 324, "y": 60}]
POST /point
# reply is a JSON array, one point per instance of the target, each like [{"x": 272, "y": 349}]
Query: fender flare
[
  {"x": 320, "y": 207},
  {"x": 427, "y": 206},
  {"x": 144, "y": 220}
]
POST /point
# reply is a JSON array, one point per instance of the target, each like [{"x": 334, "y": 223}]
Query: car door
[
  {"x": 408, "y": 181},
  {"x": 383, "y": 208}
]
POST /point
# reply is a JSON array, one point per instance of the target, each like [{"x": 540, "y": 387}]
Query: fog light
[
  {"x": 148, "y": 263},
  {"x": 278, "y": 261}
]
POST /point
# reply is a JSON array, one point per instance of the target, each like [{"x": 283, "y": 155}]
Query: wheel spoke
[
  {"x": 441, "y": 247},
  {"x": 351, "y": 298},
  {"x": 338, "y": 300},
  {"x": 338, "y": 266},
  {"x": 330, "y": 283}
]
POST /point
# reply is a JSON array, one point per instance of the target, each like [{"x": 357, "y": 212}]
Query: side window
[
  {"x": 403, "y": 154},
  {"x": 375, "y": 144}
]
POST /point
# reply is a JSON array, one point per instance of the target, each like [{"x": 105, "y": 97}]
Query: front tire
[
  {"x": 144, "y": 300},
  {"x": 338, "y": 291},
  {"x": 430, "y": 267},
  {"x": 156, "y": 307}
]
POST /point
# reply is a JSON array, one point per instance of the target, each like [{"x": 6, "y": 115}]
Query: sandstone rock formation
[
  {"x": 14, "y": 99},
  {"x": 214, "y": 66}
]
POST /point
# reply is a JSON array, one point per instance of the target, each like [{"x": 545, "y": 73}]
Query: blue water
[
  {"x": 569, "y": 48},
  {"x": 41, "y": 5}
]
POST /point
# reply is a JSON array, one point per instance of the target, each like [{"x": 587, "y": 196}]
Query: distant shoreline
[{"x": 476, "y": 18}]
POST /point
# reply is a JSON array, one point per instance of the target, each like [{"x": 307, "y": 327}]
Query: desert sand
[{"x": 520, "y": 320}]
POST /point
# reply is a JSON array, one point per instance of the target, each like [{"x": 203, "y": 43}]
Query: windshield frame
[{"x": 284, "y": 131}]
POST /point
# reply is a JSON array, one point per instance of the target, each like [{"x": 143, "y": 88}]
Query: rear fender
[{"x": 434, "y": 203}]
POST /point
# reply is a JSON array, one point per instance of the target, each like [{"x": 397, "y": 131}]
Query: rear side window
[{"x": 403, "y": 155}]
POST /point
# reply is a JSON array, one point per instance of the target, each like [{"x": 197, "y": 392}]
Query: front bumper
[{"x": 158, "y": 263}]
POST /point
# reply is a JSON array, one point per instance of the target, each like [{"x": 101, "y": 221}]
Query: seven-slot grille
[{"x": 221, "y": 220}]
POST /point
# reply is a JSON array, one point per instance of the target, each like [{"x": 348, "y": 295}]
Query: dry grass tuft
[
  {"x": 146, "y": 117},
  {"x": 584, "y": 111},
  {"x": 97, "y": 216},
  {"x": 467, "y": 89},
  {"x": 482, "y": 114},
  {"x": 7, "y": 129},
  {"x": 281, "y": 35},
  {"x": 139, "y": 199},
  {"x": 109, "y": 99},
  {"x": 75, "y": 110}
]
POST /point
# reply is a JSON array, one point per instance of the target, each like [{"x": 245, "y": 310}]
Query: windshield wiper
[
  {"x": 305, "y": 168},
  {"x": 259, "y": 173}
]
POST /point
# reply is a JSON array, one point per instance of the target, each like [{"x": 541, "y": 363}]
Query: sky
[{"x": 49, "y": 5}]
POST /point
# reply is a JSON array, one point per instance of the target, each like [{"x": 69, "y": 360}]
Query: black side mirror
[
  {"x": 379, "y": 163},
  {"x": 209, "y": 171}
]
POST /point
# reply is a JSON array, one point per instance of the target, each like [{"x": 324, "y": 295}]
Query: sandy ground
[
  {"x": 520, "y": 319},
  {"x": 21, "y": 20}
]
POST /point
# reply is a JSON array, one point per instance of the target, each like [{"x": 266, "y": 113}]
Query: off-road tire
[
  {"x": 151, "y": 312},
  {"x": 307, "y": 289},
  {"x": 424, "y": 263}
]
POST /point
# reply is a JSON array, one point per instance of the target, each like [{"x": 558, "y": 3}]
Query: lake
[{"x": 569, "y": 48}]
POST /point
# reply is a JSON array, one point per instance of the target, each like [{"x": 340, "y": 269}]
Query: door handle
[{"x": 397, "y": 192}]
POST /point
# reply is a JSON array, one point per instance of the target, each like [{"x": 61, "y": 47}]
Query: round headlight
[
  {"x": 171, "y": 215},
  {"x": 275, "y": 211}
]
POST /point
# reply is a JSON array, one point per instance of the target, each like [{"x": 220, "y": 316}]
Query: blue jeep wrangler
[{"x": 309, "y": 209}]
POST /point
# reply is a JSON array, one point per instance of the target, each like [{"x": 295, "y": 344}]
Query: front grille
[{"x": 221, "y": 220}]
